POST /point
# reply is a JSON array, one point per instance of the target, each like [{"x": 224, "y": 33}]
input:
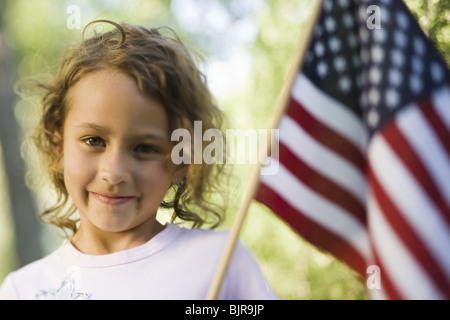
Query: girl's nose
[{"x": 114, "y": 168}]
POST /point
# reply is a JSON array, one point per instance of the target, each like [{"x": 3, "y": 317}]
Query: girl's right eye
[{"x": 94, "y": 141}]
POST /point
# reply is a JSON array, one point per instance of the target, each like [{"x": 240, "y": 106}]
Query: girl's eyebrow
[
  {"x": 104, "y": 130},
  {"x": 88, "y": 125},
  {"x": 154, "y": 136}
]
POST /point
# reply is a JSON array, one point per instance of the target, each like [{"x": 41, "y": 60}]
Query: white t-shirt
[{"x": 177, "y": 263}]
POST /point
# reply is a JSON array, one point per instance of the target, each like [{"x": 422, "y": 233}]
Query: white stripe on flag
[
  {"x": 409, "y": 279},
  {"x": 411, "y": 200},
  {"x": 427, "y": 146},
  {"x": 329, "y": 111},
  {"x": 322, "y": 159},
  {"x": 319, "y": 209}
]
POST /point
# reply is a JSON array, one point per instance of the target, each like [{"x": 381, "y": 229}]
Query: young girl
[{"x": 105, "y": 137}]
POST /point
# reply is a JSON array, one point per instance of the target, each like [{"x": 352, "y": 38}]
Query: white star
[
  {"x": 395, "y": 77},
  {"x": 348, "y": 20},
  {"x": 398, "y": 58},
  {"x": 343, "y": 3},
  {"x": 392, "y": 98},
  {"x": 385, "y": 15},
  {"x": 364, "y": 35},
  {"x": 322, "y": 69},
  {"x": 379, "y": 35},
  {"x": 415, "y": 84},
  {"x": 402, "y": 20},
  {"x": 437, "y": 73},
  {"x": 374, "y": 96},
  {"x": 319, "y": 49},
  {"x": 375, "y": 75},
  {"x": 339, "y": 64},
  {"x": 419, "y": 46},
  {"x": 328, "y": 5},
  {"x": 417, "y": 65},
  {"x": 334, "y": 43},
  {"x": 330, "y": 24},
  {"x": 400, "y": 38},
  {"x": 377, "y": 54},
  {"x": 373, "y": 118},
  {"x": 352, "y": 41},
  {"x": 345, "y": 84}
]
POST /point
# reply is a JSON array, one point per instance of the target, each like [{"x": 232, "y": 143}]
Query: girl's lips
[{"x": 114, "y": 200}]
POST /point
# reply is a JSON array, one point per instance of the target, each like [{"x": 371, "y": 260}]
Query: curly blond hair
[{"x": 163, "y": 68}]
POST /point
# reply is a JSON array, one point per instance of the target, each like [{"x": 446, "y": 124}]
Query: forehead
[{"x": 112, "y": 98}]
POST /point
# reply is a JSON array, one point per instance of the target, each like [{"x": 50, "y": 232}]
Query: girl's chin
[
  {"x": 115, "y": 222},
  {"x": 108, "y": 222}
]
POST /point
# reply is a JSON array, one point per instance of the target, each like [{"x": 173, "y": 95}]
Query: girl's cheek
[{"x": 77, "y": 162}]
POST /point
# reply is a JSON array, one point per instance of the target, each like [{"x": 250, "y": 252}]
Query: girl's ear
[
  {"x": 57, "y": 149},
  {"x": 179, "y": 173}
]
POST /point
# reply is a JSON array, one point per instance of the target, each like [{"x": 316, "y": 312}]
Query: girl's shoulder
[
  {"x": 244, "y": 278},
  {"x": 210, "y": 245},
  {"x": 30, "y": 275},
  {"x": 213, "y": 240},
  {"x": 200, "y": 234},
  {"x": 197, "y": 241}
]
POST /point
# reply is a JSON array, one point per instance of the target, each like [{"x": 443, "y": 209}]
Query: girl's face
[{"x": 115, "y": 142}]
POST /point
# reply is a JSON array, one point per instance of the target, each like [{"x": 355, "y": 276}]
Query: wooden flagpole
[{"x": 254, "y": 178}]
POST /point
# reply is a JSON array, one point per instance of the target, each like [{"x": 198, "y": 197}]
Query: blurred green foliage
[
  {"x": 434, "y": 18},
  {"x": 37, "y": 31}
]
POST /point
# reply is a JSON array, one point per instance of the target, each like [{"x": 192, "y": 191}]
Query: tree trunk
[{"x": 23, "y": 210}]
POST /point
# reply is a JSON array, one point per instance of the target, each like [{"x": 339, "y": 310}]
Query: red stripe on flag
[
  {"x": 407, "y": 234},
  {"x": 325, "y": 135},
  {"x": 322, "y": 185},
  {"x": 310, "y": 230},
  {"x": 400, "y": 145}
]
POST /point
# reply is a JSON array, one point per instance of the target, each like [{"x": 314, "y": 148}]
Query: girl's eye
[
  {"x": 146, "y": 149},
  {"x": 94, "y": 142}
]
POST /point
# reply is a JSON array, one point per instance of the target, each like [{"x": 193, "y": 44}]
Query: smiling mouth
[{"x": 114, "y": 200}]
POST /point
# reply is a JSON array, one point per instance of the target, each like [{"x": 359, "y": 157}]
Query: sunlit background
[{"x": 246, "y": 48}]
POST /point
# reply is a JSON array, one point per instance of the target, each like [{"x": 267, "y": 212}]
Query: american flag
[{"x": 364, "y": 155}]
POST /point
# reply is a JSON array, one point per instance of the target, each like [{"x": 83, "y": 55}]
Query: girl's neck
[{"x": 94, "y": 241}]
